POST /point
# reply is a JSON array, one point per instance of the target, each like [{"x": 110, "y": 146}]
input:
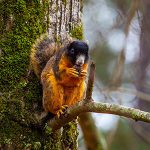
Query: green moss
[
  {"x": 77, "y": 32},
  {"x": 64, "y": 2},
  {"x": 70, "y": 135},
  {"x": 22, "y": 21},
  {"x": 52, "y": 140},
  {"x": 48, "y": 130},
  {"x": 37, "y": 145},
  {"x": 12, "y": 133},
  {"x": 28, "y": 22}
]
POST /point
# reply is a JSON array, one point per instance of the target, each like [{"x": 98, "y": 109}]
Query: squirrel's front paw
[
  {"x": 72, "y": 72},
  {"x": 83, "y": 73}
]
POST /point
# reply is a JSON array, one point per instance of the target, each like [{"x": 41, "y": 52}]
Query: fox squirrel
[{"x": 62, "y": 71}]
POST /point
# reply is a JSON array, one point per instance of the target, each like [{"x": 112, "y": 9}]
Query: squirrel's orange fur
[{"x": 62, "y": 86}]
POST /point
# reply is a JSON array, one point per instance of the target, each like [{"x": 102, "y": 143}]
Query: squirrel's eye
[{"x": 72, "y": 51}]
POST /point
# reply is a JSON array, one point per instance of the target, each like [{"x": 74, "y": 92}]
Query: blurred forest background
[{"x": 118, "y": 33}]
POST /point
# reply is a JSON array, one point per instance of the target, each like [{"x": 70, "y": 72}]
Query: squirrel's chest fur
[
  {"x": 70, "y": 89},
  {"x": 59, "y": 88}
]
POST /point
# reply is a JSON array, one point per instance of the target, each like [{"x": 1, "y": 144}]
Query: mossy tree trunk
[{"x": 22, "y": 21}]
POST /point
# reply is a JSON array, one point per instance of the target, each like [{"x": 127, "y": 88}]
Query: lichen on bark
[
  {"x": 70, "y": 136},
  {"x": 21, "y": 97},
  {"x": 21, "y": 23}
]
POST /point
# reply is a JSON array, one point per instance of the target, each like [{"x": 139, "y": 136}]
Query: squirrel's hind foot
[{"x": 61, "y": 111}]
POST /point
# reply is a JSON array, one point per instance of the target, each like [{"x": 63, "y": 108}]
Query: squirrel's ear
[{"x": 68, "y": 45}]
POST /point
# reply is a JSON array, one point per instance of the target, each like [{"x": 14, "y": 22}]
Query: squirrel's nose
[
  {"x": 80, "y": 60},
  {"x": 79, "y": 63}
]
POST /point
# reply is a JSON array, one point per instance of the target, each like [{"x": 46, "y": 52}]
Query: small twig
[{"x": 90, "y": 82}]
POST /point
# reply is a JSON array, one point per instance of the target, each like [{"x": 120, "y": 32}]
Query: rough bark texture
[
  {"x": 115, "y": 109},
  {"x": 20, "y": 97},
  {"x": 70, "y": 136},
  {"x": 65, "y": 18},
  {"x": 21, "y": 23}
]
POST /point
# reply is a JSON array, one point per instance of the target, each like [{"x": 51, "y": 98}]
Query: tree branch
[
  {"x": 81, "y": 107},
  {"x": 87, "y": 105},
  {"x": 90, "y": 82}
]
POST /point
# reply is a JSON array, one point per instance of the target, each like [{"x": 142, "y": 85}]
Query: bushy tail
[{"x": 42, "y": 50}]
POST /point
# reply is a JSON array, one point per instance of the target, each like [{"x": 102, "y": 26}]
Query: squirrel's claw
[
  {"x": 83, "y": 73},
  {"x": 61, "y": 111},
  {"x": 64, "y": 107}
]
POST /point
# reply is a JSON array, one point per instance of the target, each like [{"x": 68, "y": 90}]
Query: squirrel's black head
[{"x": 77, "y": 51}]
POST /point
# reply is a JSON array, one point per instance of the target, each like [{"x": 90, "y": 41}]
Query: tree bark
[{"x": 21, "y": 96}]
